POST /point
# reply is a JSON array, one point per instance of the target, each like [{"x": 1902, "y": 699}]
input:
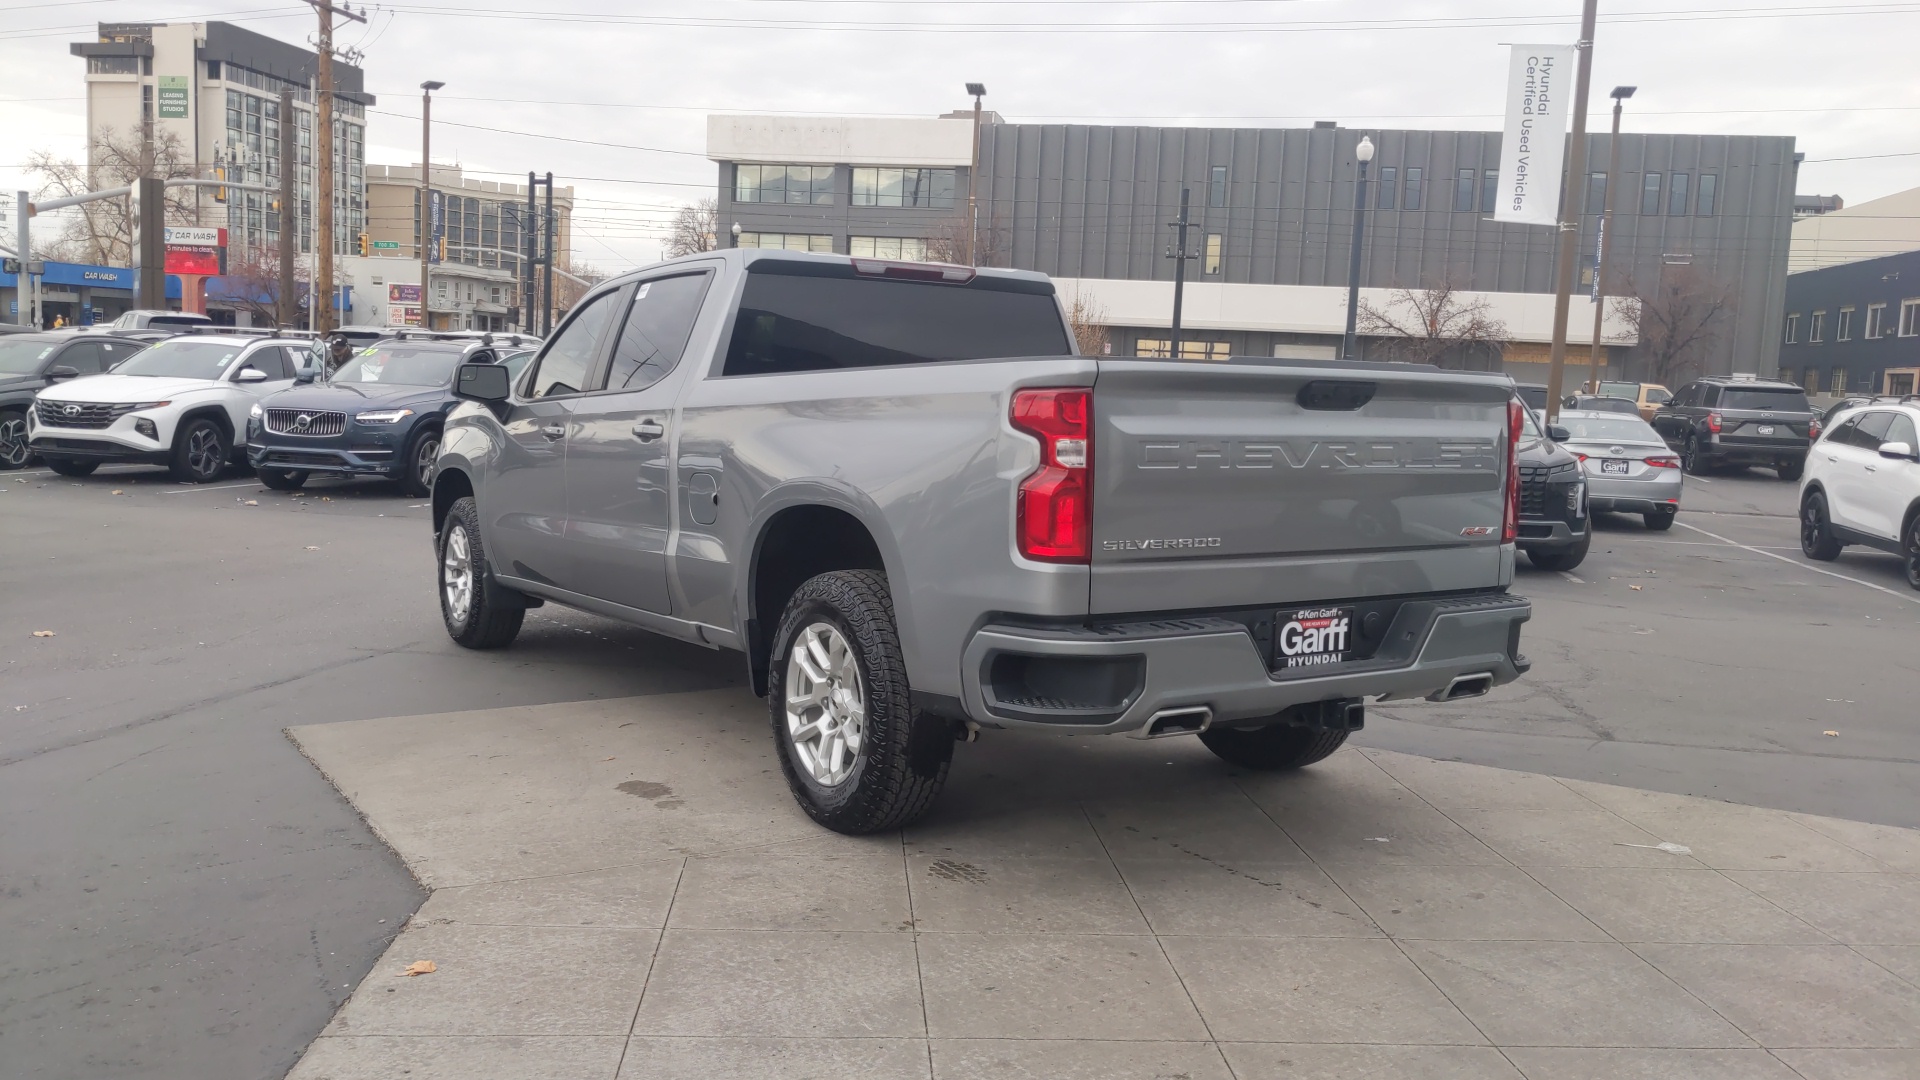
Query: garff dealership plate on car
[{"x": 1313, "y": 637}]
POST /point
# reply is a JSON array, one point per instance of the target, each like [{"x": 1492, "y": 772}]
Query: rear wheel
[
  {"x": 1563, "y": 559},
  {"x": 417, "y": 481},
  {"x": 199, "y": 451},
  {"x": 1660, "y": 520},
  {"x": 67, "y": 466},
  {"x": 1790, "y": 470},
  {"x": 1693, "y": 459},
  {"x": 1816, "y": 529},
  {"x": 477, "y": 616},
  {"x": 1271, "y": 748},
  {"x": 13, "y": 439},
  {"x": 282, "y": 479}
]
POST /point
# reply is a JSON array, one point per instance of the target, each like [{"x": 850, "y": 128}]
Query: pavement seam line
[
  {"x": 1911, "y": 599},
  {"x": 665, "y": 921},
  {"x": 919, "y": 972}
]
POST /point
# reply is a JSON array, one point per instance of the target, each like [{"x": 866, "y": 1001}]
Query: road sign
[
  {"x": 385, "y": 245},
  {"x": 173, "y": 97}
]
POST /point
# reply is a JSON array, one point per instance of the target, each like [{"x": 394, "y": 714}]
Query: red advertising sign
[{"x": 196, "y": 251}]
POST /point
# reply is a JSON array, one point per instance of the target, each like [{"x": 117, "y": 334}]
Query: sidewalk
[{"x": 1097, "y": 908}]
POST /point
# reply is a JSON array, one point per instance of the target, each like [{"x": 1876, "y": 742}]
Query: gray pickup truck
[{"x": 897, "y": 490}]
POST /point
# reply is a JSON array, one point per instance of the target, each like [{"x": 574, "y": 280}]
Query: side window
[
  {"x": 659, "y": 321},
  {"x": 1872, "y": 430},
  {"x": 1901, "y": 431},
  {"x": 569, "y": 357},
  {"x": 1707, "y": 395},
  {"x": 270, "y": 360},
  {"x": 1843, "y": 435},
  {"x": 83, "y": 357}
]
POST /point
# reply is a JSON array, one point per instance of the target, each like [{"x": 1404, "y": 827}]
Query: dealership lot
[{"x": 186, "y": 895}]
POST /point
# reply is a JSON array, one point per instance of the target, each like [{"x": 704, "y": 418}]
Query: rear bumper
[
  {"x": 1635, "y": 496},
  {"x": 1138, "y": 670},
  {"x": 1755, "y": 451}
]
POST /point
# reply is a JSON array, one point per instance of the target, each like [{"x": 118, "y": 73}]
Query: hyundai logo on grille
[{"x": 71, "y": 410}]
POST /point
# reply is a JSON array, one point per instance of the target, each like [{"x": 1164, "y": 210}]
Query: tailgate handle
[{"x": 1335, "y": 395}]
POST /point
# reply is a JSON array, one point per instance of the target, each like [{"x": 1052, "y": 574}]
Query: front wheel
[
  {"x": 417, "y": 481},
  {"x": 1816, "y": 529},
  {"x": 282, "y": 479},
  {"x": 857, "y": 755},
  {"x": 199, "y": 451},
  {"x": 475, "y": 615},
  {"x": 1564, "y": 559},
  {"x": 1271, "y": 748},
  {"x": 13, "y": 439},
  {"x": 1912, "y": 552},
  {"x": 67, "y": 466}
]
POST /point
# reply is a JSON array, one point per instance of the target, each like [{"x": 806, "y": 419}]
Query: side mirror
[
  {"x": 489, "y": 384},
  {"x": 305, "y": 375},
  {"x": 250, "y": 375},
  {"x": 1558, "y": 433},
  {"x": 61, "y": 372},
  {"x": 1900, "y": 450}
]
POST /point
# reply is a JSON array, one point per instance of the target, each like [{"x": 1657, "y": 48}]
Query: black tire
[
  {"x": 200, "y": 451},
  {"x": 1563, "y": 559},
  {"x": 14, "y": 452},
  {"x": 67, "y": 466},
  {"x": 1912, "y": 551},
  {"x": 1816, "y": 529},
  {"x": 900, "y": 759},
  {"x": 1692, "y": 459},
  {"x": 417, "y": 480},
  {"x": 282, "y": 479},
  {"x": 1271, "y": 748},
  {"x": 489, "y": 618},
  {"x": 1659, "y": 521},
  {"x": 1790, "y": 470}
]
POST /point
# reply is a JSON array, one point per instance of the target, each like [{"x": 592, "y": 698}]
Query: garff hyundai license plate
[{"x": 1312, "y": 637}]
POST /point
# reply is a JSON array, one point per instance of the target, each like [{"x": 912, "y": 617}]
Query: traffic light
[
  {"x": 443, "y": 250},
  {"x": 219, "y": 193},
  {"x": 363, "y": 245}
]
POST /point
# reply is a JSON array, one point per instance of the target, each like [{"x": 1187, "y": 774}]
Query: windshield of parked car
[
  {"x": 184, "y": 359},
  {"x": 23, "y": 357},
  {"x": 1609, "y": 428},
  {"x": 399, "y": 362},
  {"x": 1628, "y": 390},
  {"x": 1607, "y": 404},
  {"x": 1774, "y": 399}
]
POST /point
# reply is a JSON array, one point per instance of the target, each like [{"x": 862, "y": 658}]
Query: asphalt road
[{"x": 183, "y": 895}]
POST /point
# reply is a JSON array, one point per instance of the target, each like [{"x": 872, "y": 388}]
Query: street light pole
[
  {"x": 426, "y": 192},
  {"x": 1362, "y": 153},
  {"x": 1179, "y": 256},
  {"x": 978, "y": 90},
  {"x": 1570, "y": 211},
  {"x": 735, "y": 233},
  {"x": 1620, "y": 94}
]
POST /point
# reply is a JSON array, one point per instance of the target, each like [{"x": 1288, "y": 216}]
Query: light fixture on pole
[
  {"x": 1620, "y": 94},
  {"x": 736, "y": 234},
  {"x": 426, "y": 191},
  {"x": 978, "y": 90},
  {"x": 1362, "y": 153}
]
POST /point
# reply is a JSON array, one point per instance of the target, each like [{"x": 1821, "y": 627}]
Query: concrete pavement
[{"x": 625, "y": 889}]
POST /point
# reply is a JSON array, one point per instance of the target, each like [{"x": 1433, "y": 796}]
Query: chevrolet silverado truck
[{"x": 898, "y": 491}]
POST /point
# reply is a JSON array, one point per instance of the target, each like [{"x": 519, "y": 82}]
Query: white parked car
[
  {"x": 1863, "y": 486},
  {"x": 182, "y": 403}
]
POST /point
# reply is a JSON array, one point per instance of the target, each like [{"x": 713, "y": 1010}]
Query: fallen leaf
[
  {"x": 326, "y": 498},
  {"x": 1831, "y": 734},
  {"x": 419, "y": 967},
  {"x": 1635, "y": 588},
  {"x": 606, "y": 759},
  {"x": 253, "y": 502},
  {"x": 313, "y": 547},
  {"x": 43, "y": 633},
  {"x": 117, "y": 491}
]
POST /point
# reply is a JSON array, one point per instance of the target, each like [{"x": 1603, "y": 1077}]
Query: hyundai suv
[
  {"x": 1863, "y": 486},
  {"x": 29, "y": 363},
  {"x": 1739, "y": 420}
]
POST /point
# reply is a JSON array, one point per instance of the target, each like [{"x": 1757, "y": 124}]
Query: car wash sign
[
  {"x": 196, "y": 251},
  {"x": 1534, "y": 147}
]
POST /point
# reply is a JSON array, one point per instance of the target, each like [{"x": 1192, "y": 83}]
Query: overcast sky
[{"x": 612, "y": 96}]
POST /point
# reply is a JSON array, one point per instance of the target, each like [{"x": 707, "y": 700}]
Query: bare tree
[
  {"x": 993, "y": 242},
  {"x": 695, "y": 228},
  {"x": 568, "y": 292},
  {"x": 1679, "y": 316},
  {"x": 103, "y": 232},
  {"x": 1431, "y": 325},
  {"x": 1089, "y": 321}
]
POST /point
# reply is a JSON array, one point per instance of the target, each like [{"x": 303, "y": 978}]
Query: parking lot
[{"x": 186, "y": 894}]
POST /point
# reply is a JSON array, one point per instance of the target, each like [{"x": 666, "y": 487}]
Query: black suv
[
  {"x": 29, "y": 363},
  {"x": 1555, "y": 529},
  {"x": 1739, "y": 420}
]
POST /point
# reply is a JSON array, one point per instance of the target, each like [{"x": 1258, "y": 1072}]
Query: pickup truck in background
[{"x": 897, "y": 490}]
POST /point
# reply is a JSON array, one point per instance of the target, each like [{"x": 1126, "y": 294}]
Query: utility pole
[
  {"x": 1620, "y": 94},
  {"x": 527, "y": 322},
  {"x": 978, "y": 90},
  {"x": 289, "y": 210},
  {"x": 1576, "y": 190},
  {"x": 23, "y": 247},
  {"x": 1179, "y": 255},
  {"x": 546, "y": 314},
  {"x": 426, "y": 190},
  {"x": 323, "y": 163}
]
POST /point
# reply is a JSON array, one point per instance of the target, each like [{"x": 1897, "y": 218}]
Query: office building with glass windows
[
  {"x": 216, "y": 88},
  {"x": 1854, "y": 327},
  {"x": 1271, "y": 218}
]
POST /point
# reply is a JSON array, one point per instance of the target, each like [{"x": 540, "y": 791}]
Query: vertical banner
[
  {"x": 436, "y": 226},
  {"x": 1599, "y": 253},
  {"x": 1534, "y": 147}
]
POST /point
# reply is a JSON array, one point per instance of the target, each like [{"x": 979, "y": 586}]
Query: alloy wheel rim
[
  {"x": 203, "y": 455},
  {"x": 423, "y": 461},
  {"x": 456, "y": 572},
  {"x": 13, "y": 443},
  {"x": 1913, "y": 556},
  {"x": 826, "y": 704},
  {"x": 1810, "y": 524}
]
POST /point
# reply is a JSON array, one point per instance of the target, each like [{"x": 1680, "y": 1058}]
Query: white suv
[
  {"x": 1863, "y": 485},
  {"x": 182, "y": 403}
]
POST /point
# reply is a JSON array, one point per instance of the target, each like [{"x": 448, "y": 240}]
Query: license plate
[
  {"x": 1766, "y": 429},
  {"x": 1614, "y": 467},
  {"x": 1313, "y": 637}
]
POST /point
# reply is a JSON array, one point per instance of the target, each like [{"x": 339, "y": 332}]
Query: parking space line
[
  {"x": 1699, "y": 479},
  {"x": 211, "y": 487},
  {"x": 1909, "y": 597},
  {"x": 1568, "y": 574}
]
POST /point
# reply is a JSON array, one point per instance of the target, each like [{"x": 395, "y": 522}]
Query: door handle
[
  {"x": 1830, "y": 457},
  {"x": 648, "y": 430},
  {"x": 553, "y": 432},
  {"x": 1872, "y": 468}
]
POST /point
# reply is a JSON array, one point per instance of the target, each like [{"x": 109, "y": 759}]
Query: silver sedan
[{"x": 1629, "y": 467}]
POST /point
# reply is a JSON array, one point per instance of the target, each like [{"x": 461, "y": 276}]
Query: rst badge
[{"x": 1311, "y": 637}]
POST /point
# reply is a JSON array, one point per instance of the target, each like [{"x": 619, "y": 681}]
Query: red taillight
[
  {"x": 1516, "y": 425},
  {"x": 1055, "y": 519},
  {"x": 1664, "y": 462},
  {"x": 1713, "y": 422},
  {"x": 1813, "y": 431}
]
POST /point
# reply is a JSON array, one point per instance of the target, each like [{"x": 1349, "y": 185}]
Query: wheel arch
[
  {"x": 801, "y": 532},
  {"x": 450, "y": 485},
  {"x": 211, "y": 410}
]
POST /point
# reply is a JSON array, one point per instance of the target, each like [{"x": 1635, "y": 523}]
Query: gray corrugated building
[{"x": 1272, "y": 215}]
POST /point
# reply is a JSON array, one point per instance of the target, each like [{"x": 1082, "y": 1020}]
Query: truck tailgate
[{"x": 1221, "y": 485}]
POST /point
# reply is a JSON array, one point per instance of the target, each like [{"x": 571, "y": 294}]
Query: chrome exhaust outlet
[
  {"x": 1465, "y": 686},
  {"x": 1184, "y": 720}
]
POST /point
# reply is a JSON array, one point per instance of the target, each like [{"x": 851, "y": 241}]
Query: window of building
[
  {"x": 1463, "y": 191},
  {"x": 1217, "y": 186},
  {"x": 1838, "y": 385},
  {"x": 1793, "y": 328},
  {"x": 1812, "y": 381},
  {"x": 1876, "y": 315},
  {"x": 1596, "y": 193},
  {"x": 908, "y": 248},
  {"x": 1909, "y": 318},
  {"x": 115, "y": 65},
  {"x": 1414, "y": 178},
  {"x": 1650, "y": 194},
  {"x": 1843, "y": 325},
  {"x": 805, "y": 184},
  {"x": 1817, "y": 327},
  {"x": 1703, "y": 203},
  {"x": 1189, "y": 349},
  {"x": 1489, "y": 189},
  {"x": 1211, "y": 264},
  {"x": 1389, "y": 185},
  {"x": 1786, "y": 375},
  {"x": 789, "y": 241},
  {"x": 932, "y": 188},
  {"x": 1677, "y": 194}
]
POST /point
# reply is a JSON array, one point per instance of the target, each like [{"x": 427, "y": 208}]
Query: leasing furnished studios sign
[{"x": 1534, "y": 148}]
